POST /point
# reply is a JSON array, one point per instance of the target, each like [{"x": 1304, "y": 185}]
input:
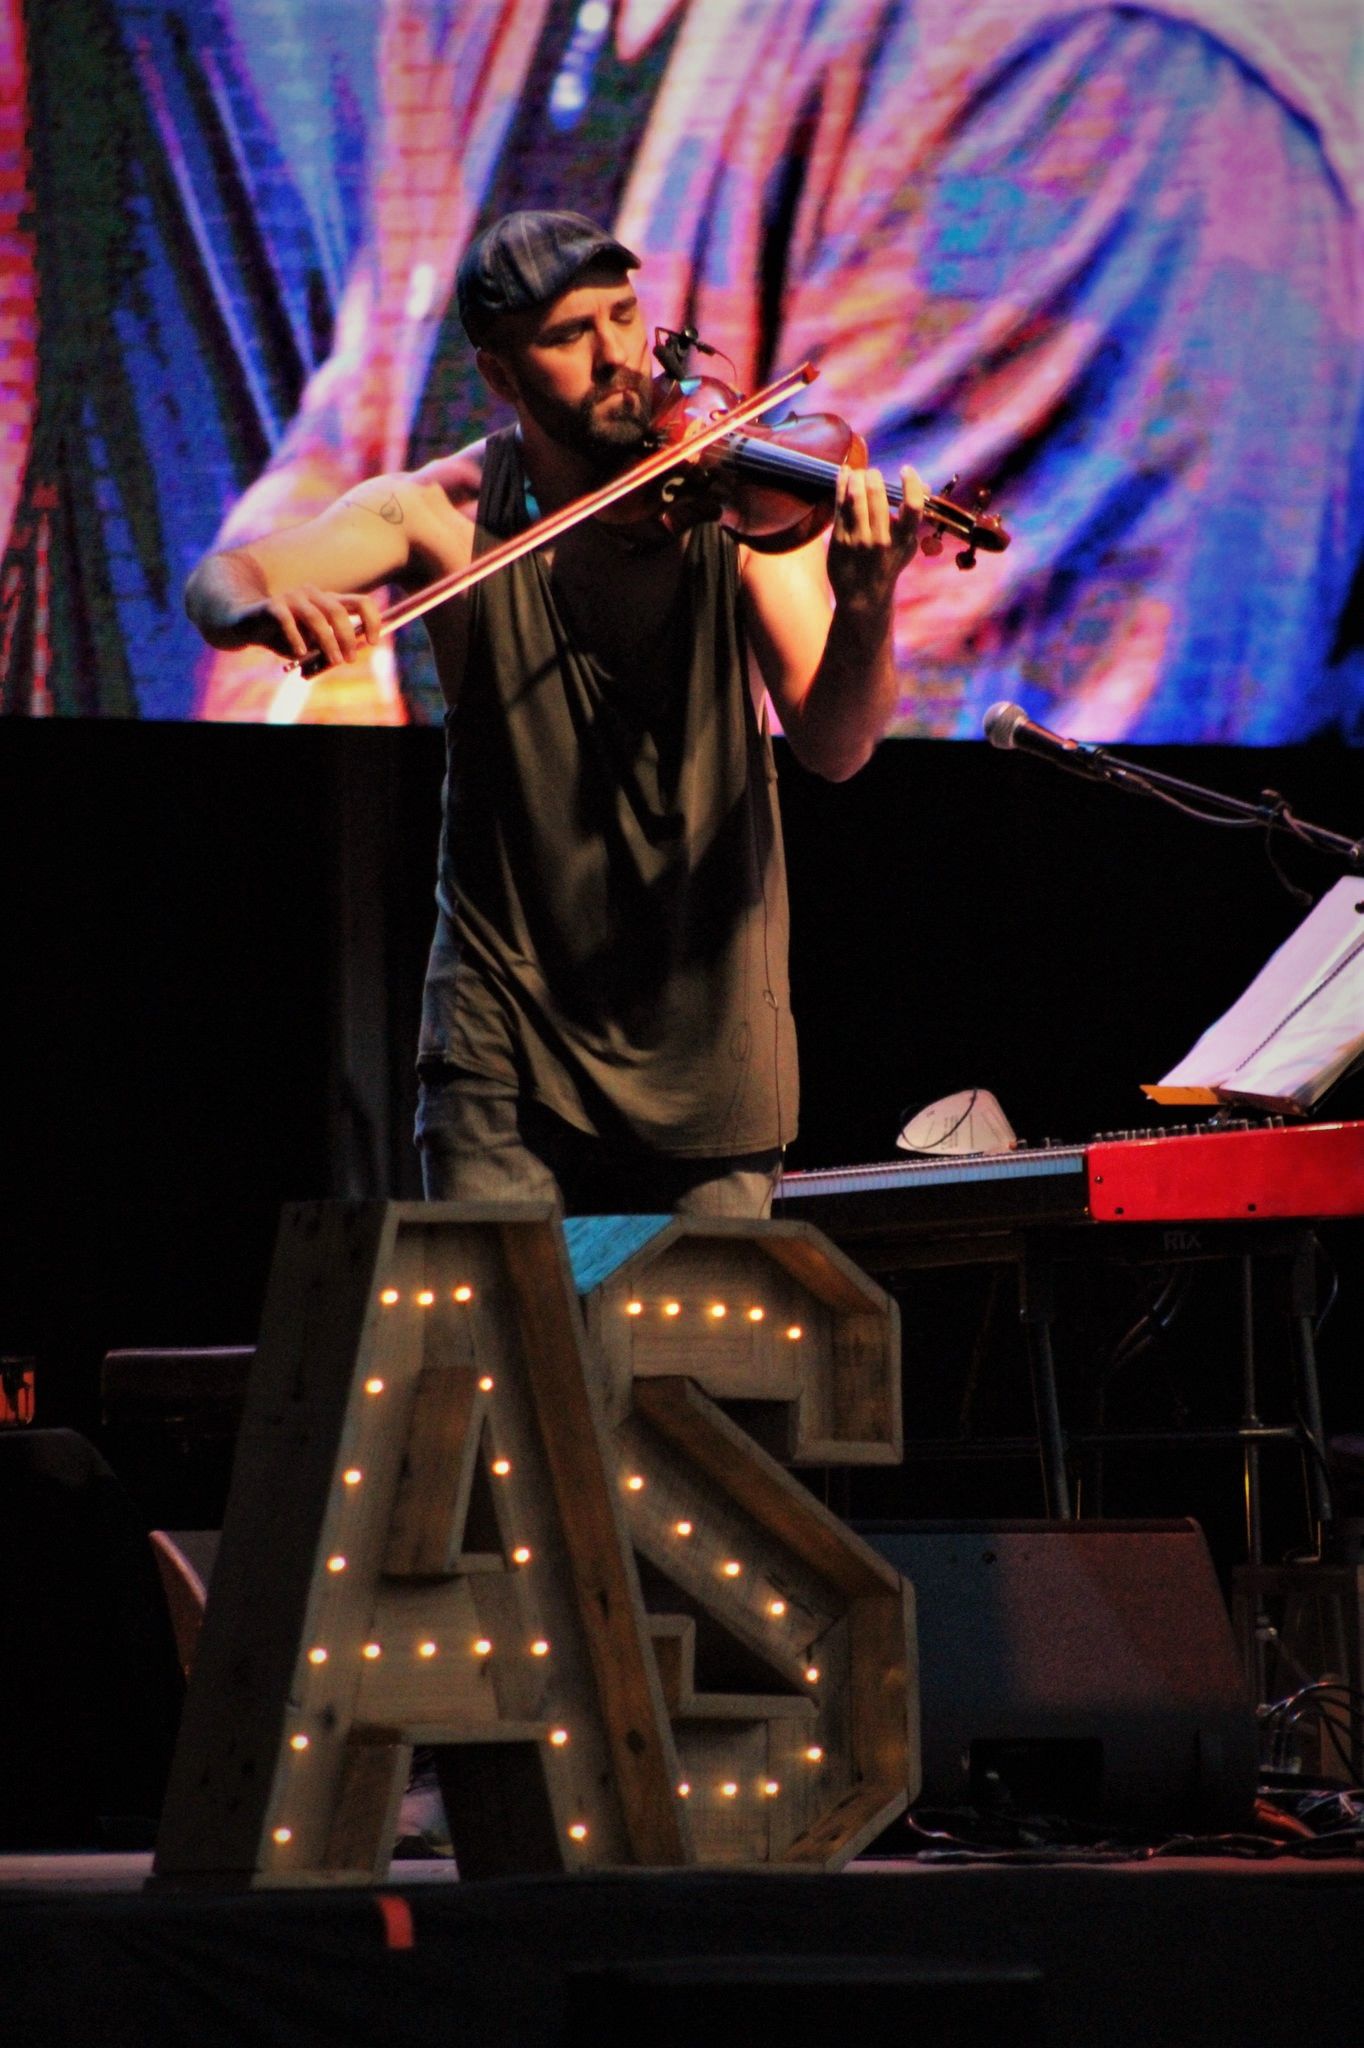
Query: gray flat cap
[{"x": 526, "y": 259}]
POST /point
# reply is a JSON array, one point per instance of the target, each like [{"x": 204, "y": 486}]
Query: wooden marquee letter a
[{"x": 422, "y": 1546}]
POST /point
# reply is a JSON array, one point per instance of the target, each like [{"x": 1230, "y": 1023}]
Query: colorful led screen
[{"x": 1104, "y": 263}]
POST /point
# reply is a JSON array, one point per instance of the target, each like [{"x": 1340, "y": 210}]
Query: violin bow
[{"x": 554, "y": 523}]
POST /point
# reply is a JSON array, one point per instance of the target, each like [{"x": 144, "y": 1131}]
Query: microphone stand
[{"x": 1271, "y": 812}]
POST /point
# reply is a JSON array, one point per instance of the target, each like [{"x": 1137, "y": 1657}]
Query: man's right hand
[
  {"x": 301, "y": 622},
  {"x": 313, "y": 589},
  {"x": 229, "y": 601}
]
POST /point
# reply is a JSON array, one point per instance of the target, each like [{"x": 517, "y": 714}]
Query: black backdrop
[{"x": 214, "y": 942}]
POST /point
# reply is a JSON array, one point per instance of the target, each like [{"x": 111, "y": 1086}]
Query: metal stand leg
[
  {"x": 1302, "y": 1315},
  {"x": 1036, "y": 1308},
  {"x": 1303, "y": 1585},
  {"x": 1261, "y": 1630},
  {"x": 1250, "y": 1417}
]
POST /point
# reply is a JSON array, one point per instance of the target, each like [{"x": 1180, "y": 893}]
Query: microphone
[
  {"x": 1008, "y": 725},
  {"x": 672, "y": 346}
]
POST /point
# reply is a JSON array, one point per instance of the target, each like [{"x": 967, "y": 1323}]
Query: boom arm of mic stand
[{"x": 1215, "y": 807}]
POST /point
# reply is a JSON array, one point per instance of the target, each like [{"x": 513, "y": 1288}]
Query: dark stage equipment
[
  {"x": 1085, "y": 1669},
  {"x": 91, "y": 1692}
]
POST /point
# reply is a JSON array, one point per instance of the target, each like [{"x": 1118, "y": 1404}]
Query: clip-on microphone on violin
[{"x": 673, "y": 345}]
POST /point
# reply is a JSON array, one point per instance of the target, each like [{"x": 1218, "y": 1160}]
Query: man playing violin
[{"x": 606, "y": 1012}]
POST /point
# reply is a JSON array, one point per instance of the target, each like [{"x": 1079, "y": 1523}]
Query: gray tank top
[{"x": 612, "y": 927}]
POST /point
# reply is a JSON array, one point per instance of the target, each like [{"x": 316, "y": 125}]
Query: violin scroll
[{"x": 978, "y": 528}]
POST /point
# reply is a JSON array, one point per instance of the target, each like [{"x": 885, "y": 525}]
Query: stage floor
[{"x": 1180, "y": 1950}]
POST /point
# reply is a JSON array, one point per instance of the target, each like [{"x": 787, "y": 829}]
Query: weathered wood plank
[
  {"x": 729, "y": 1826},
  {"x": 364, "y": 1819},
  {"x": 819, "y": 1265},
  {"x": 597, "y": 1543},
  {"x": 720, "y": 1448},
  {"x": 437, "y": 1470},
  {"x": 320, "y": 1306},
  {"x": 846, "y": 1828},
  {"x": 885, "y": 1701},
  {"x": 866, "y": 1398},
  {"x": 674, "y": 1644},
  {"x": 747, "y": 1706}
]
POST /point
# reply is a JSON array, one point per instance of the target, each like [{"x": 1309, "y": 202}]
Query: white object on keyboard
[{"x": 970, "y": 1121}]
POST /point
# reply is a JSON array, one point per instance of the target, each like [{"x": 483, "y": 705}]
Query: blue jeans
[{"x": 480, "y": 1142}]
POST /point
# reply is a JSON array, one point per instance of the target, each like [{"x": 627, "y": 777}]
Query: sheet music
[{"x": 1297, "y": 1028}]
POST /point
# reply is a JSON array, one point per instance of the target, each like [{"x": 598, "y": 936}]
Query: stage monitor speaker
[{"x": 1085, "y": 1669}]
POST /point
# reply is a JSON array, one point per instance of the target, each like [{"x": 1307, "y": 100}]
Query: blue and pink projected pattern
[{"x": 1106, "y": 262}]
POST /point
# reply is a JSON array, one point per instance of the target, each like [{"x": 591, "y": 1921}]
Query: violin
[
  {"x": 774, "y": 484},
  {"x": 775, "y": 479}
]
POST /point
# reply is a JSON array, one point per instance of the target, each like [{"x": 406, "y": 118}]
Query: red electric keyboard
[{"x": 1296, "y": 1171}]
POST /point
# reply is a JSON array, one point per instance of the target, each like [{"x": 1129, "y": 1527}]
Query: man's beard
[{"x": 610, "y": 439}]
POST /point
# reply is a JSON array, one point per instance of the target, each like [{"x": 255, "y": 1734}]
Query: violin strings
[{"x": 764, "y": 459}]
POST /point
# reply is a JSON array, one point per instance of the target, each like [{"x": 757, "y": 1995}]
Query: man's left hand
[{"x": 868, "y": 545}]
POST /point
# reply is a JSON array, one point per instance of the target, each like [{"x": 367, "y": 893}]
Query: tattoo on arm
[{"x": 390, "y": 511}]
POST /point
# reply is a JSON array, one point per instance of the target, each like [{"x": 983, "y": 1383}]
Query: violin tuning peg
[
  {"x": 966, "y": 559},
  {"x": 930, "y": 541},
  {"x": 951, "y": 484},
  {"x": 982, "y": 498}
]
